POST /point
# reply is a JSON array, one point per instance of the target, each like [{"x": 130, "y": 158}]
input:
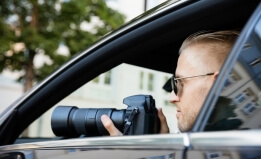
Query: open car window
[{"x": 108, "y": 91}]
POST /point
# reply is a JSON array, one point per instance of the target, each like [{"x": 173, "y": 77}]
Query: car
[{"x": 149, "y": 42}]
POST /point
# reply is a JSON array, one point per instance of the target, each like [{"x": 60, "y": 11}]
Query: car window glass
[
  {"x": 239, "y": 103},
  {"x": 108, "y": 91}
]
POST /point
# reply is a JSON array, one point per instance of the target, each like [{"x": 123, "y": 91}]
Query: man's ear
[{"x": 215, "y": 75}]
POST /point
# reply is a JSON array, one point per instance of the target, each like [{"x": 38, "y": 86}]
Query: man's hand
[
  {"x": 109, "y": 126},
  {"x": 163, "y": 122},
  {"x": 113, "y": 131}
]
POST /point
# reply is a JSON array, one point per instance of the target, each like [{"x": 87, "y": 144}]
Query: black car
[{"x": 149, "y": 42}]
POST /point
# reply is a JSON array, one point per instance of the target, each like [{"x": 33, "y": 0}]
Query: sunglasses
[{"x": 175, "y": 81}]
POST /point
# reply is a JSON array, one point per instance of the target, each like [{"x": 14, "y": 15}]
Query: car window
[
  {"x": 108, "y": 91},
  {"x": 238, "y": 106}
]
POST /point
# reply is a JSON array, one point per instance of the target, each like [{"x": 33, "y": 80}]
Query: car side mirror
[{"x": 12, "y": 155}]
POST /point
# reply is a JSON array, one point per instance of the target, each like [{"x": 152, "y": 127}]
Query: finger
[
  {"x": 163, "y": 122},
  {"x": 109, "y": 126}
]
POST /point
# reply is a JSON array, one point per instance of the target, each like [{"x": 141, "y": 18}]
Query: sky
[{"x": 132, "y": 8}]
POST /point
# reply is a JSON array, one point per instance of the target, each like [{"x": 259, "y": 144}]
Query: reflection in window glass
[
  {"x": 241, "y": 97},
  {"x": 232, "y": 79},
  {"x": 249, "y": 108},
  {"x": 238, "y": 106}
]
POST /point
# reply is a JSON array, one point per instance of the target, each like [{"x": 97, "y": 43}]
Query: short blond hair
[{"x": 219, "y": 44}]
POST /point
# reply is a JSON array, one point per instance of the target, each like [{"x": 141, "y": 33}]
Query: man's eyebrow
[{"x": 178, "y": 75}]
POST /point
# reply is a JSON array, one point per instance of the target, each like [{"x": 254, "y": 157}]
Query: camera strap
[{"x": 130, "y": 120}]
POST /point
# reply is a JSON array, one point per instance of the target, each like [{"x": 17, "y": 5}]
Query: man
[{"x": 201, "y": 57}]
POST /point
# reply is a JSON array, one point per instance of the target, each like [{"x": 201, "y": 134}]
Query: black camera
[{"x": 140, "y": 117}]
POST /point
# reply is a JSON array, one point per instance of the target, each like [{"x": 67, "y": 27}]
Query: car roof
[
  {"x": 166, "y": 34},
  {"x": 160, "y": 31}
]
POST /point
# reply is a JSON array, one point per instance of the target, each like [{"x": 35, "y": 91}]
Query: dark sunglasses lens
[
  {"x": 176, "y": 90},
  {"x": 173, "y": 85}
]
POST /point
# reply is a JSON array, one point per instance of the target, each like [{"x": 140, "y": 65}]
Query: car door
[
  {"x": 153, "y": 147},
  {"x": 229, "y": 123}
]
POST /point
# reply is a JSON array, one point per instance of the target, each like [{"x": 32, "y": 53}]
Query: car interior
[{"x": 152, "y": 43}]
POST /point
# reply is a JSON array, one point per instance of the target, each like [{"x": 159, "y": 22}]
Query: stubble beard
[{"x": 185, "y": 124}]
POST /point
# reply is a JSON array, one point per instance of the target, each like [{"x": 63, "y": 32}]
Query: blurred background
[{"x": 36, "y": 36}]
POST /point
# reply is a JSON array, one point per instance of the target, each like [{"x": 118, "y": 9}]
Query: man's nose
[{"x": 173, "y": 97}]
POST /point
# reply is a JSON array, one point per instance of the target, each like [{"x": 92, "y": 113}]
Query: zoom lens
[{"x": 71, "y": 121}]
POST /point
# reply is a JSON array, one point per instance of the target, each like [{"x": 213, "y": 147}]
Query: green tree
[{"x": 40, "y": 27}]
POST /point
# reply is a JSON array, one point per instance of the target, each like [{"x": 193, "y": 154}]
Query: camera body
[{"x": 140, "y": 117}]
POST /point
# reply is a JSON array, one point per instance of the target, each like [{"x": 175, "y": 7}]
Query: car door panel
[
  {"x": 148, "y": 146},
  {"x": 226, "y": 144}
]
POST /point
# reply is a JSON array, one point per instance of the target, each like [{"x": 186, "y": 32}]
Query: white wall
[{"x": 9, "y": 92}]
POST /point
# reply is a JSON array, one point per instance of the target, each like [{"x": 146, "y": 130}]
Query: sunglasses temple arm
[{"x": 195, "y": 76}]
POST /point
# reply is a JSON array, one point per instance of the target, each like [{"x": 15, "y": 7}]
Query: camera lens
[{"x": 71, "y": 121}]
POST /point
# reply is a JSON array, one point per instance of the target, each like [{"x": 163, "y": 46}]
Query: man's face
[{"x": 193, "y": 91}]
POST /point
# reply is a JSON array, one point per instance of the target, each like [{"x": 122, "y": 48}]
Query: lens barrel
[{"x": 71, "y": 121}]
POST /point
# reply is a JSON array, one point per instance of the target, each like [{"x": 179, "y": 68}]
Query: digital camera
[{"x": 140, "y": 117}]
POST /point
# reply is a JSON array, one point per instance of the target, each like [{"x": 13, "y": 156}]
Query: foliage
[{"x": 40, "y": 27}]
